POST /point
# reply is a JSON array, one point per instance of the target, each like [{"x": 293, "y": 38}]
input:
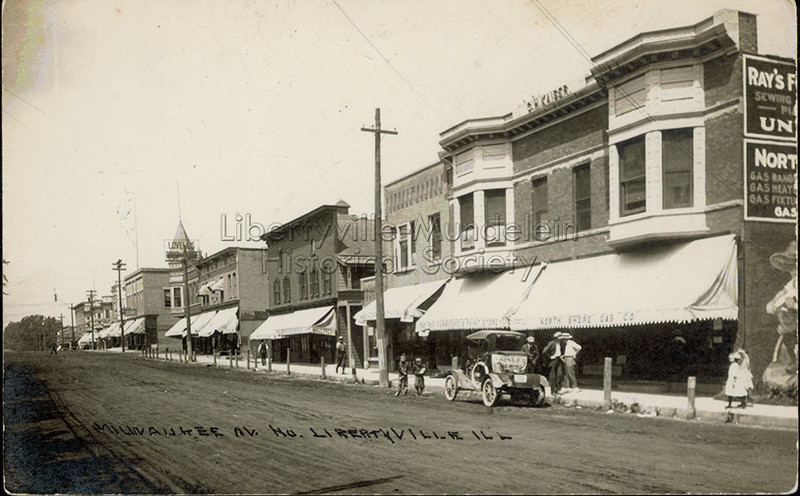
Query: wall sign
[
  {"x": 770, "y": 100},
  {"x": 770, "y": 180},
  {"x": 537, "y": 102}
]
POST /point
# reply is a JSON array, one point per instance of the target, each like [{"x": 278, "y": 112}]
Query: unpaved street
[{"x": 89, "y": 423}]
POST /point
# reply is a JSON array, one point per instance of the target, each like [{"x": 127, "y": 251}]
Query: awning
[
  {"x": 225, "y": 321},
  {"x": 111, "y": 331},
  {"x": 199, "y": 325},
  {"x": 135, "y": 327},
  {"x": 677, "y": 283},
  {"x": 86, "y": 338},
  {"x": 178, "y": 330},
  {"x": 401, "y": 303},
  {"x": 205, "y": 289},
  {"x": 218, "y": 285},
  {"x": 478, "y": 302},
  {"x": 314, "y": 320}
]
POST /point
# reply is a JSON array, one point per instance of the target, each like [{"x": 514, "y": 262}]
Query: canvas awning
[
  {"x": 218, "y": 285},
  {"x": 205, "y": 289},
  {"x": 314, "y": 320},
  {"x": 111, "y": 331},
  {"x": 478, "y": 302},
  {"x": 676, "y": 283},
  {"x": 401, "y": 303},
  {"x": 86, "y": 338},
  {"x": 178, "y": 330},
  {"x": 135, "y": 326},
  {"x": 225, "y": 321},
  {"x": 202, "y": 321}
]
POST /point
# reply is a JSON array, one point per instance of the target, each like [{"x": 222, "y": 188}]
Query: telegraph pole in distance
[
  {"x": 119, "y": 267},
  {"x": 90, "y": 293},
  {"x": 71, "y": 327},
  {"x": 62, "y": 331},
  {"x": 380, "y": 323}
]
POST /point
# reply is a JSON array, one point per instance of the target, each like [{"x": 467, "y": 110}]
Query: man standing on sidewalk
[
  {"x": 263, "y": 349},
  {"x": 340, "y": 354},
  {"x": 569, "y": 352},
  {"x": 402, "y": 369},
  {"x": 551, "y": 353}
]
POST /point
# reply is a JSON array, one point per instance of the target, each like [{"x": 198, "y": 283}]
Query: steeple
[{"x": 180, "y": 233}]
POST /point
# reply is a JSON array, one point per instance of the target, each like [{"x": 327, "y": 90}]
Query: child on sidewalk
[
  {"x": 738, "y": 380},
  {"x": 419, "y": 376}
]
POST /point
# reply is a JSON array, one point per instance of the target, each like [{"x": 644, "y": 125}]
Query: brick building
[
  {"x": 316, "y": 263},
  {"x": 148, "y": 309},
  {"x": 638, "y": 176}
]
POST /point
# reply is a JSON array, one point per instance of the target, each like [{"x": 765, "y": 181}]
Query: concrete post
[
  {"x": 248, "y": 358},
  {"x": 237, "y": 359},
  {"x": 322, "y": 365},
  {"x": 269, "y": 362},
  {"x": 691, "y": 411},
  {"x": 214, "y": 354},
  {"x": 607, "y": 383},
  {"x": 288, "y": 361},
  {"x": 230, "y": 359}
]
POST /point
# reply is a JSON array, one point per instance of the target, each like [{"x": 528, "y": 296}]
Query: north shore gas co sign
[
  {"x": 770, "y": 181},
  {"x": 770, "y": 98}
]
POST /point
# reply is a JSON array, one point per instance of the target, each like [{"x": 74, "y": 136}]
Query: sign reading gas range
[
  {"x": 770, "y": 179},
  {"x": 770, "y": 98}
]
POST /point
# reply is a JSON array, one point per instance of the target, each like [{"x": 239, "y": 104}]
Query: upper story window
[
  {"x": 492, "y": 154},
  {"x": 314, "y": 283},
  {"x": 287, "y": 290},
  {"x": 632, "y": 188},
  {"x": 276, "y": 292},
  {"x": 177, "y": 297},
  {"x": 403, "y": 246},
  {"x": 583, "y": 197},
  {"x": 467, "y": 220},
  {"x": 677, "y": 167},
  {"x": 302, "y": 280},
  {"x": 167, "y": 298},
  {"x": 465, "y": 162},
  {"x": 494, "y": 207},
  {"x": 435, "y": 227},
  {"x": 540, "y": 201},
  {"x": 630, "y": 96},
  {"x": 327, "y": 282}
]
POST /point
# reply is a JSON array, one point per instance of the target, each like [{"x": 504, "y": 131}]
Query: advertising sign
[
  {"x": 770, "y": 180},
  {"x": 770, "y": 99}
]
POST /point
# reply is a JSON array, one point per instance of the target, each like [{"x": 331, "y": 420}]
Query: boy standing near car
[
  {"x": 530, "y": 349},
  {"x": 418, "y": 370},
  {"x": 403, "y": 369}
]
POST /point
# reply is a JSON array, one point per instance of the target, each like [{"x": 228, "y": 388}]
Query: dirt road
[{"x": 89, "y": 423}]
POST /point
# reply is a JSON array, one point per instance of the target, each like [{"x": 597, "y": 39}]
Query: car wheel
[
  {"x": 490, "y": 394},
  {"x": 539, "y": 397},
  {"x": 450, "y": 388}
]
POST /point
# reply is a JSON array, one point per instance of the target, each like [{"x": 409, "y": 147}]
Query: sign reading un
[{"x": 770, "y": 98}]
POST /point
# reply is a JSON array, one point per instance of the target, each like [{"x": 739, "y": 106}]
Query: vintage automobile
[{"x": 498, "y": 369}]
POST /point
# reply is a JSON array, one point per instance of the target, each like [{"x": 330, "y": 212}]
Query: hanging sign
[{"x": 770, "y": 98}]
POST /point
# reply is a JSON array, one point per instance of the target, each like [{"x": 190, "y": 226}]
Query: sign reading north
[
  {"x": 770, "y": 100},
  {"x": 770, "y": 181}
]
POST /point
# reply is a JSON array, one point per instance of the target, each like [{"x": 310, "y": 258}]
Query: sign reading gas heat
[
  {"x": 770, "y": 181},
  {"x": 770, "y": 98}
]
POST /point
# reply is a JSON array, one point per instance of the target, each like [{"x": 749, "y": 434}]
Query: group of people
[
  {"x": 559, "y": 356},
  {"x": 417, "y": 369}
]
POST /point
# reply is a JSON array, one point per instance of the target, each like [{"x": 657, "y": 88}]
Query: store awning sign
[
  {"x": 770, "y": 179},
  {"x": 770, "y": 98}
]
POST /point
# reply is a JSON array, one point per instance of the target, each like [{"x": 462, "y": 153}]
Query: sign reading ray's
[
  {"x": 770, "y": 98},
  {"x": 770, "y": 179}
]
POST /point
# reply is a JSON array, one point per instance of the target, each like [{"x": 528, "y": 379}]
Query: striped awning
[
  {"x": 320, "y": 320},
  {"x": 401, "y": 303}
]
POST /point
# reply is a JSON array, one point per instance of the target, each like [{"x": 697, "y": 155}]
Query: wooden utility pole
[
  {"x": 71, "y": 327},
  {"x": 185, "y": 302},
  {"x": 62, "y": 331},
  {"x": 119, "y": 266},
  {"x": 90, "y": 293},
  {"x": 380, "y": 324}
]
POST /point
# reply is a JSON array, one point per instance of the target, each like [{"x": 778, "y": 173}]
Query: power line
[{"x": 387, "y": 60}]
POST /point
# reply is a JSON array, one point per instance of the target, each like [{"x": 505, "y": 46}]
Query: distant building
[{"x": 148, "y": 307}]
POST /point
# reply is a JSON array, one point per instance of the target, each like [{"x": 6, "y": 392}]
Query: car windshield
[{"x": 495, "y": 342}]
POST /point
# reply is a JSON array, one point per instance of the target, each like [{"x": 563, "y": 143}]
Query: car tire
[
  {"x": 489, "y": 393},
  {"x": 450, "y": 388}
]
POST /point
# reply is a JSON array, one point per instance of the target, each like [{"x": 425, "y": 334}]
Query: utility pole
[
  {"x": 380, "y": 324},
  {"x": 186, "y": 302},
  {"x": 119, "y": 267},
  {"x": 71, "y": 327},
  {"x": 90, "y": 293},
  {"x": 62, "y": 331}
]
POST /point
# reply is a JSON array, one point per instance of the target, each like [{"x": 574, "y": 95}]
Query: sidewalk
[{"x": 642, "y": 404}]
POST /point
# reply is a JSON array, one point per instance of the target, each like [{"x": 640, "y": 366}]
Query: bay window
[
  {"x": 677, "y": 162},
  {"x": 467, "y": 209},
  {"x": 494, "y": 204},
  {"x": 632, "y": 188}
]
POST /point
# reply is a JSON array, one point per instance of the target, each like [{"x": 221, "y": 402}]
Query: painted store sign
[
  {"x": 770, "y": 179},
  {"x": 770, "y": 99}
]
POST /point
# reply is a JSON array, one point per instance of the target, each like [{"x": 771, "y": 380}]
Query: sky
[{"x": 122, "y": 117}]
